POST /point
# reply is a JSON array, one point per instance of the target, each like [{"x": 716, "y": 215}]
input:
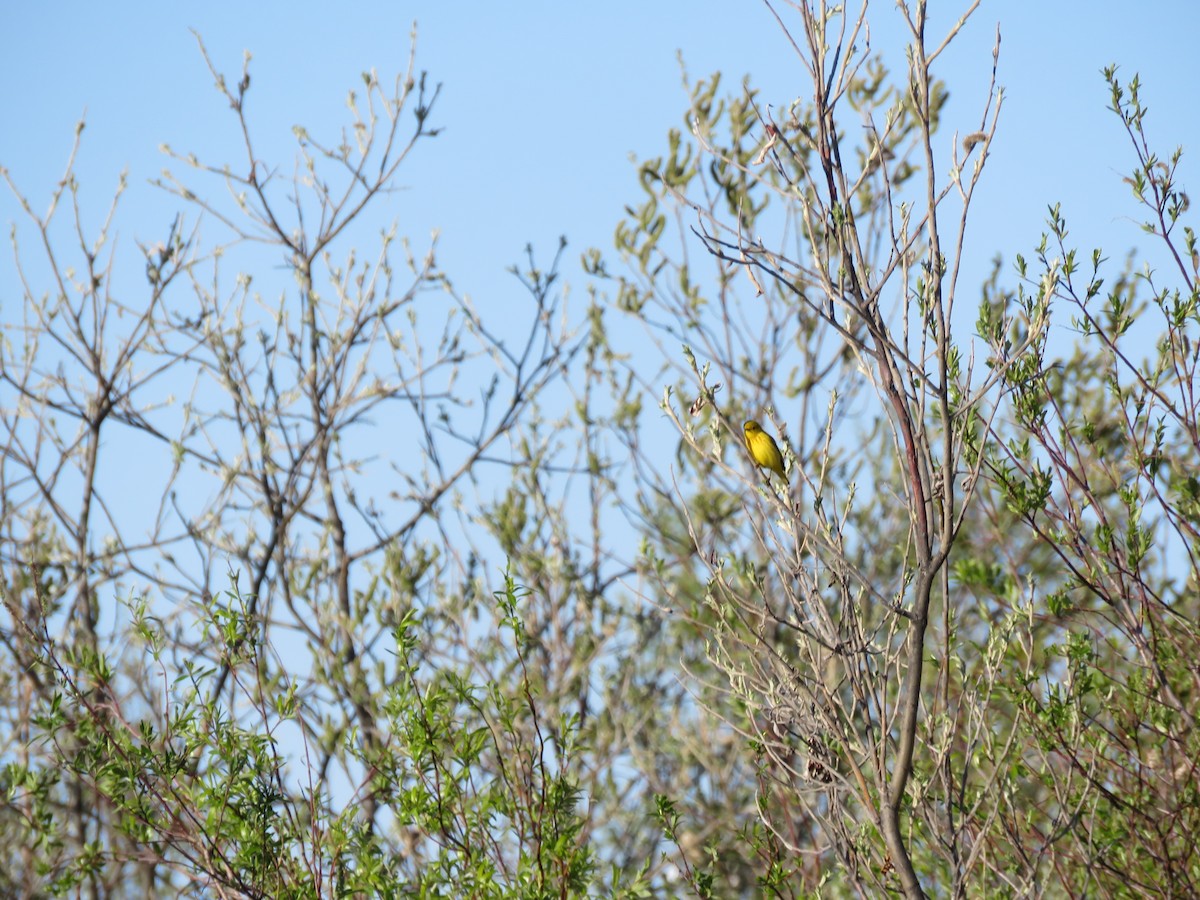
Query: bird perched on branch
[{"x": 763, "y": 449}]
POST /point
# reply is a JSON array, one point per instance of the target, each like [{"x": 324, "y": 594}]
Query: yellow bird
[{"x": 763, "y": 449}]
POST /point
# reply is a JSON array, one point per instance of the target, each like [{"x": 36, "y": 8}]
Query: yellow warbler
[{"x": 763, "y": 449}]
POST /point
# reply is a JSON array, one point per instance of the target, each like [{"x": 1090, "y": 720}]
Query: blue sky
[{"x": 543, "y": 102}]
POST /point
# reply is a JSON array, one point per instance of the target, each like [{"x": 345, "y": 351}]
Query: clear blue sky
[{"x": 544, "y": 101}]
